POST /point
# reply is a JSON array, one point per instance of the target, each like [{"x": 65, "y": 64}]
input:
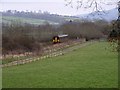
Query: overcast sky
[{"x": 52, "y": 6}]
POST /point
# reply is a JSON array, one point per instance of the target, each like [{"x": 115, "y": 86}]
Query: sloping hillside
[
  {"x": 10, "y": 19},
  {"x": 35, "y": 18},
  {"x": 108, "y": 15}
]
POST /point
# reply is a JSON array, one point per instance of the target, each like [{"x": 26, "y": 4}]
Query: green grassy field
[
  {"x": 90, "y": 67},
  {"x": 10, "y": 19}
]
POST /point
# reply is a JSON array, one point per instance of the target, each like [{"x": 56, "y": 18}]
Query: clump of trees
[
  {"x": 25, "y": 38},
  {"x": 86, "y": 29}
]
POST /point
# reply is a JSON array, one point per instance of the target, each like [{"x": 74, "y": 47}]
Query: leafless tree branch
[{"x": 95, "y": 4}]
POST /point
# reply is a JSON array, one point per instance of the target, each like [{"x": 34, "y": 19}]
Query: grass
[
  {"x": 10, "y": 19},
  {"x": 90, "y": 67},
  {"x": 73, "y": 18}
]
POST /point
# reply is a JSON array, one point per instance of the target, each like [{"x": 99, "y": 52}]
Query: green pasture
[
  {"x": 10, "y": 19},
  {"x": 92, "y": 66}
]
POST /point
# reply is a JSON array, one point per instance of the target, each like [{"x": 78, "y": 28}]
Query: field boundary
[{"x": 50, "y": 53}]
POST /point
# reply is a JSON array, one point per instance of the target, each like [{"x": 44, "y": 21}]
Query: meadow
[
  {"x": 93, "y": 66},
  {"x": 10, "y": 19}
]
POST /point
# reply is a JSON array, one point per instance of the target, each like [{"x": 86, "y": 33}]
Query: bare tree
[
  {"x": 95, "y": 5},
  {"x": 99, "y": 6}
]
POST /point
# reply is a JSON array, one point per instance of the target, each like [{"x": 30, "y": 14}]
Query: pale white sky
[
  {"x": 52, "y": 6},
  {"x": 32, "y": 0}
]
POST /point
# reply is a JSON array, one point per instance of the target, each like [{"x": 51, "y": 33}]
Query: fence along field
[{"x": 50, "y": 51}]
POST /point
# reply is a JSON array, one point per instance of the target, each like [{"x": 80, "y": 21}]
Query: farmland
[
  {"x": 11, "y": 19},
  {"x": 93, "y": 66}
]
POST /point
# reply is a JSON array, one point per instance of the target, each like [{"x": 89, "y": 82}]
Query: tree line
[
  {"x": 17, "y": 37},
  {"x": 37, "y": 15}
]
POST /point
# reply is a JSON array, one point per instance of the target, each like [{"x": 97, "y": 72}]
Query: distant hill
[
  {"x": 35, "y": 18},
  {"x": 11, "y": 19},
  {"x": 108, "y": 15}
]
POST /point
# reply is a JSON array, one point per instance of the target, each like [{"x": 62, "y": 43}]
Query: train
[{"x": 59, "y": 38}]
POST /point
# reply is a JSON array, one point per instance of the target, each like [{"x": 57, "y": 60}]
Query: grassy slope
[
  {"x": 91, "y": 66},
  {"x": 9, "y": 19},
  {"x": 72, "y": 18}
]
